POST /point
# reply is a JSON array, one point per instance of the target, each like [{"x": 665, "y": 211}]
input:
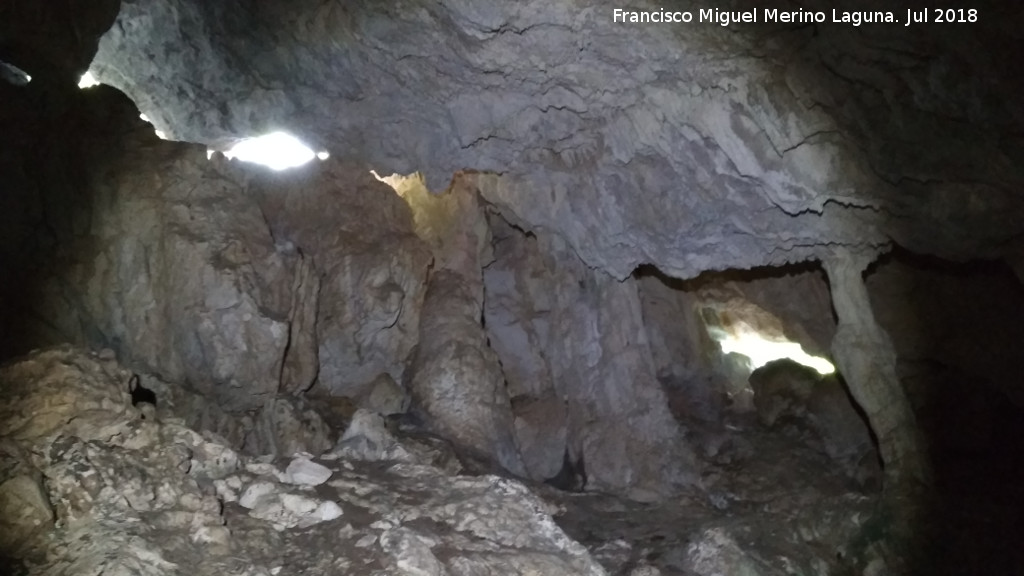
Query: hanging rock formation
[{"x": 688, "y": 146}]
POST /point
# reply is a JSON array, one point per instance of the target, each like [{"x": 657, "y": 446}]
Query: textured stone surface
[
  {"x": 240, "y": 283},
  {"x": 134, "y": 496},
  {"x": 686, "y": 147},
  {"x": 787, "y": 393},
  {"x": 691, "y": 147},
  {"x": 386, "y": 397},
  {"x": 25, "y": 511},
  {"x": 864, "y": 355},
  {"x": 306, "y": 472},
  {"x": 782, "y": 388},
  {"x": 573, "y": 335},
  {"x": 42, "y": 399},
  {"x": 183, "y": 279},
  {"x": 716, "y": 552},
  {"x": 368, "y": 438},
  {"x": 286, "y": 425},
  {"x": 367, "y": 270},
  {"x": 456, "y": 379},
  {"x": 197, "y": 412}
]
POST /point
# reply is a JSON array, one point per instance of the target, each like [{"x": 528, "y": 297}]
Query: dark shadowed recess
[{"x": 957, "y": 329}]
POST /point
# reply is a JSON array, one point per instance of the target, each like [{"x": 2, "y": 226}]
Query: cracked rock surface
[
  {"x": 243, "y": 285},
  {"x": 691, "y": 147}
]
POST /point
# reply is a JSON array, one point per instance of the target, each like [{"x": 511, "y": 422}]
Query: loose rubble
[
  {"x": 124, "y": 495},
  {"x": 91, "y": 487}
]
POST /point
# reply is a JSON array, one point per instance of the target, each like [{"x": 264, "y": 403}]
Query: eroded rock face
[
  {"x": 788, "y": 394},
  {"x": 692, "y": 147},
  {"x": 242, "y": 284},
  {"x": 28, "y": 513},
  {"x": 356, "y": 312},
  {"x": 456, "y": 378},
  {"x": 130, "y": 496},
  {"x": 575, "y": 351},
  {"x": 182, "y": 279}
]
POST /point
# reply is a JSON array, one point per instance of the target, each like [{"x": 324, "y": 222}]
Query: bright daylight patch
[
  {"x": 13, "y": 74},
  {"x": 278, "y": 151},
  {"x": 88, "y": 81},
  {"x": 762, "y": 351},
  {"x": 159, "y": 133}
]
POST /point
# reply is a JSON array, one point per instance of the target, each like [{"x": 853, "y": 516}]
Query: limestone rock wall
[
  {"x": 360, "y": 300},
  {"x": 241, "y": 284},
  {"x": 579, "y": 368},
  {"x": 177, "y": 272},
  {"x": 787, "y": 304},
  {"x": 688, "y": 363},
  {"x": 455, "y": 376}
]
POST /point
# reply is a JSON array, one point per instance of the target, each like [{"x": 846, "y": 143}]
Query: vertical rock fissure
[{"x": 300, "y": 363}]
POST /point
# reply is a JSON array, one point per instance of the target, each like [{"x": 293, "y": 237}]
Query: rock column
[
  {"x": 867, "y": 361},
  {"x": 456, "y": 379}
]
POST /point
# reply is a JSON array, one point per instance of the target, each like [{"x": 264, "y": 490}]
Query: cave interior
[{"x": 740, "y": 299}]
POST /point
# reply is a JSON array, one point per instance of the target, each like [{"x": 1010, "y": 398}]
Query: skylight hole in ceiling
[{"x": 277, "y": 151}]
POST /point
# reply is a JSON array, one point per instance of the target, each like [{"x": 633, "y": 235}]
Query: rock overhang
[{"x": 688, "y": 146}]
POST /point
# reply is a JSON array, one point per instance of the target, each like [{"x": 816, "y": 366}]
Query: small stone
[
  {"x": 264, "y": 469},
  {"x": 366, "y": 541},
  {"x": 254, "y": 493},
  {"x": 386, "y": 396},
  {"x": 328, "y": 510},
  {"x": 307, "y": 473}
]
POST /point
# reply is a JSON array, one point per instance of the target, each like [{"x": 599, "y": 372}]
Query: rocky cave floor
[
  {"x": 91, "y": 485},
  {"x": 770, "y": 504}
]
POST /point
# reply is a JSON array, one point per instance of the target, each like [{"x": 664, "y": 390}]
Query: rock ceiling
[{"x": 688, "y": 146}]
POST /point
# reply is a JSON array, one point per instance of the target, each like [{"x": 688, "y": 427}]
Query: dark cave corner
[
  {"x": 58, "y": 142},
  {"x": 950, "y": 322}
]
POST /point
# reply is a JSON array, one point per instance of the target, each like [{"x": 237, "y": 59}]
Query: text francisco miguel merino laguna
[{"x": 855, "y": 18}]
